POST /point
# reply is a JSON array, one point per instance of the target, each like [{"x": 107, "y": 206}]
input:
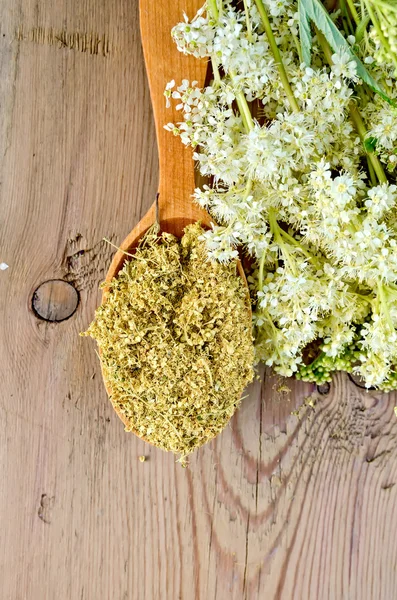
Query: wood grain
[
  {"x": 163, "y": 63},
  {"x": 279, "y": 507}
]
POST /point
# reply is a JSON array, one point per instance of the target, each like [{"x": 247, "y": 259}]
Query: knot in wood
[{"x": 55, "y": 300}]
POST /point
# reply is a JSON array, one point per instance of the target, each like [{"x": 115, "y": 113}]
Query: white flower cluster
[
  {"x": 383, "y": 132},
  {"x": 195, "y": 37},
  {"x": 294, "y": 185}
]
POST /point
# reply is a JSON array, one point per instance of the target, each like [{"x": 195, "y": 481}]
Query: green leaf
[
  {"x": 370, "y": 144},
  {"x": 315, "y": 10},
  {"x": 305, "y": 33}
]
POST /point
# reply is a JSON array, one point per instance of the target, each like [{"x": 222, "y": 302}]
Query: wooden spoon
[{"x": 163, "y": 63}]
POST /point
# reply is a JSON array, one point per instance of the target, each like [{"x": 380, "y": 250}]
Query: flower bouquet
[{"x": 296, "y": 132}]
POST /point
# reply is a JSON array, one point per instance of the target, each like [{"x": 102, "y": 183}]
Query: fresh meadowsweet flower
[
  {"x": 384, "y": 128},
  {"x": 195, "y": 37},
  {"x": 342, "y": 190},
  {"x": 382, "y": 132},
  {"x": 168, "y": 92},
  {"x": 219, "y": 243},
  {"x": 381, "y": 198},
  {"x": 298, "y": 183},
  {"x": 343, "y": 66},
  {"x": 385, "y": 131},
  {"x": 277, "y": 7}
]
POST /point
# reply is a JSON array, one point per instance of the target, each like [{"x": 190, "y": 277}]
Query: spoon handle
[{"x": 163, "y": 63}]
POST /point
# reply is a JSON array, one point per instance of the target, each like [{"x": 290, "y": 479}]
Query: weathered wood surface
[{"x": 280, "y": 506}]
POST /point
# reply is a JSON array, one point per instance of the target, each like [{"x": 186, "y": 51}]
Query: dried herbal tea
[{"x": 175, "y": 340}]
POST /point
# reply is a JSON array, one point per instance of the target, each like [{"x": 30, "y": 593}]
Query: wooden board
[{"x": 279, "y": 507}]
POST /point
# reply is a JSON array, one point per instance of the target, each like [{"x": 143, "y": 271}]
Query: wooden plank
[{"x": 278, "y": 507}]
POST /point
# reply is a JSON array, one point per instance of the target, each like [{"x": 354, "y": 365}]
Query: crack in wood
[
  {"x": 45, "y": 508},
  {"x": 12, "y": 99},
  {"x": 260, "y": 450},
  {"x": 388, "y": 486},
  {"x": 246, "y": 557},
  {"x": 80, "y": 41},
  {"x": 86, "y": 267}
]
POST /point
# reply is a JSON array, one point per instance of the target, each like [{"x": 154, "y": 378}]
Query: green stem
[
  {"x": 248, "y": 22},
  {"x": 272, "y": 325},
  {"x": 385, "y": 6},
  {"x": 274, "y": 228},
  {"x": 390, "y": 290},
  {"x": 361, "y": 30},
  {"x": 364, "y": 94},
  {"x": 347, "y": 24},
  {"x": 240, "y": 98},
  {"x": 243, "y": 106},
  {"x": 215, "y": 69},
  {"x": 362, "y": 7},
  {"x": 355, "y": 115},
  {"x": 371, "y": 170},
  {"x": 362, "y": 132},
  {"x": 248, "y": 188},
  {"x": 212, "y": 5},
  {"x": 277, "y": 56},
  {"x": 383, "y": 304},
  {"x": 295, "y": 242},
  {"x": 363, "y": 298},
  {"x": 276, "y": 231},
  {"x": 318, "y": 359},
  {"x": 353, "y": 11},
  {"x": 241, "y": 111},
  {"x": 298, "y": 47},
  {"x": 261, "y": 271},
  {"x": 265, "y": 314},
  {"x": 325, "y": 47}
]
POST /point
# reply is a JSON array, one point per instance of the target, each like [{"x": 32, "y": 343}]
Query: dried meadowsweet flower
[{"x": 175, "y": 340}]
